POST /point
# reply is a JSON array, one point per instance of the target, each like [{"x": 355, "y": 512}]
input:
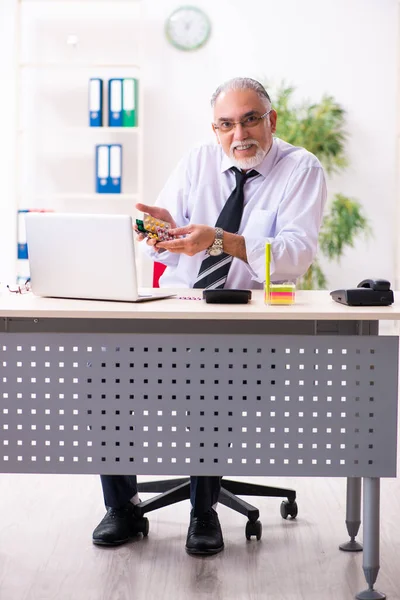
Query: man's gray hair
[{"x": 242, "y": 83}]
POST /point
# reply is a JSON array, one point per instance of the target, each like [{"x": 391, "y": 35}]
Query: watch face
[
  {"x": 188, "y": 28},
  {"x": 215, "y": 251}
]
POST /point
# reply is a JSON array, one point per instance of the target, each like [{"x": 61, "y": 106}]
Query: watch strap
[{"x": 218, "y": 243}]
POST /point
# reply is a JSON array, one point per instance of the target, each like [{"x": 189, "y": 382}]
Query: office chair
[{"x": 175, "y": 490}]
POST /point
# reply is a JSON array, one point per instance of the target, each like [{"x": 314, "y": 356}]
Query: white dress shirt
[{"x": 283, "y": 205}]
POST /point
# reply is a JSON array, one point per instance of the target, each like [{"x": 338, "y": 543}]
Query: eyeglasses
[
  {"x": 20, "y": 289},
  {"x": 247, "y": 123}
]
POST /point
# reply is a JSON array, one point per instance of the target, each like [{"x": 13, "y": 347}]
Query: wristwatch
[{"x": 217, "y": 247}]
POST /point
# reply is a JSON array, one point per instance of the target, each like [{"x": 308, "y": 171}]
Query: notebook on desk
[{"x": 89, "y": 257}]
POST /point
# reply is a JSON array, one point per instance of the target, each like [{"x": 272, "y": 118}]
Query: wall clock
[{"x": 188, "y": 28}]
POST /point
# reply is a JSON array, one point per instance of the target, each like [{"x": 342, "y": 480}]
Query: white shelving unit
[
  {"x": 86, "y": 130},
  {"x": 61, "y": 44},
  {"x": 96, "y": 197},
  {"x": 50, "y": 65}
]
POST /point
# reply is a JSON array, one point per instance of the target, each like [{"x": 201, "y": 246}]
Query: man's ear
[
  {"x": 273, "y": 117},
  {"x": 216, "y": 132}
]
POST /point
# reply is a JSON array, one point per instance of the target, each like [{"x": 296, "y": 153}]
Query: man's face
[{"x": 246, "y": 146}]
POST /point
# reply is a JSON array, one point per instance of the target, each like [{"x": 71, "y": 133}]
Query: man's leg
[
  {"x": 118, "y": 489},
  {"x": 204, "y": 533},
  {"x": 204, "y": 492},
  {"x": 120, "y": 522}
]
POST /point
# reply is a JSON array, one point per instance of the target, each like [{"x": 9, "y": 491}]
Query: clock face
[{"x": 188, "y": 28}]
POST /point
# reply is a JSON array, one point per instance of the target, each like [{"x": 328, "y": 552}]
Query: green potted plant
[{"x": 320, "y": 128}]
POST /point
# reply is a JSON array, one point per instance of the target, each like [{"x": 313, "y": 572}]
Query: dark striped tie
[{"x": 214, "y": 269}]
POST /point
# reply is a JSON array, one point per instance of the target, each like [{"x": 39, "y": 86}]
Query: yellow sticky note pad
[{"x": 281, "y": 293}]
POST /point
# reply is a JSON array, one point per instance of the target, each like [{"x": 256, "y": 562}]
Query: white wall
[
  {"x": 347, "y": 48},
  {"x": 7, "y": 137}
]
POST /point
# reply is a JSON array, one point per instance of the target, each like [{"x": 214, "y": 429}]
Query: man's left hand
[{"x": 197, "y": 238}]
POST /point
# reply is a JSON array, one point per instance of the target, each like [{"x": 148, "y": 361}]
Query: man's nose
[{"x": 240, "y": 132}]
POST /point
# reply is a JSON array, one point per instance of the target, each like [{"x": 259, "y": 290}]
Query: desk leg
[
  {"x": 371, "y": 502},
  {"x": 353, "y": 514}
]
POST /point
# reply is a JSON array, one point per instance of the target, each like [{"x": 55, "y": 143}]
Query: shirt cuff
[
  {"x": 255, "y": 251},
  {"x": 165, "y": 256}
]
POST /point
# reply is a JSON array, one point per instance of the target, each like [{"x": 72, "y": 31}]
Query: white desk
[
  {"x": 314, "y": 305},
  {"x": 179, "y": 386}
]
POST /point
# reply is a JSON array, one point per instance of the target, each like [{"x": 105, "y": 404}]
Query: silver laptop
[{"x": 83, "y": 256}]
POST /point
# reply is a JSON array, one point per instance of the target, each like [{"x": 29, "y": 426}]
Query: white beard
[{"x": 252, "y": 161}]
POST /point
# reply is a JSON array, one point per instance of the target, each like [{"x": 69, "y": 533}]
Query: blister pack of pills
[{"x": 154, "y": 228}]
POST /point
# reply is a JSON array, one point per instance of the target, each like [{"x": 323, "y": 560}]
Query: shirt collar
[{"x": 263, "y": 168}]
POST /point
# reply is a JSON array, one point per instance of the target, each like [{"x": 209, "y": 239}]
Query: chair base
[{"x": 175, "y": 490}]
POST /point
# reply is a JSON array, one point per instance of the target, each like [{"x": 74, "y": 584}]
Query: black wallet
[{"x": 226, "y": 296}]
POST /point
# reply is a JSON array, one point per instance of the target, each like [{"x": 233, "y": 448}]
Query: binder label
[
  {"x": 115, "y": 163},
  {"x": 129, "y": 94},
  {"x": 102, "y": 164},
  {"x": 115, "y": 97},
  {"x": 94, "y": 96}
]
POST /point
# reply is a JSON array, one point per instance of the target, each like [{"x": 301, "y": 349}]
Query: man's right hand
[{"x": 157, "y": 213}]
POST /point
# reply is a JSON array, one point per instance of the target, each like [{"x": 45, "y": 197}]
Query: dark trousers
[{"x": 119, "y": 489}]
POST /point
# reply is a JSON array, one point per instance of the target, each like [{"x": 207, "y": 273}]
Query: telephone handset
[{"x": 379, "y": 285}]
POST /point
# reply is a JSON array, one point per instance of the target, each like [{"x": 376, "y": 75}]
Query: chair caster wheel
[
  {"x": 144, "y": 526},
  {"x": 253, "y": 529},
  {"x": 289, "y": 509}
]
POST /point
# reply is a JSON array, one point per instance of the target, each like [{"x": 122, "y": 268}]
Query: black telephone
[
  {"x": 369, "y": 292},
  {"x": 380, "y": 285}
]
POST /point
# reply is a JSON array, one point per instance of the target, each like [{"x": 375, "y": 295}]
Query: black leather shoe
[
  {"x": 204, "y": 534},
  {"x": 119, "y": 525}
]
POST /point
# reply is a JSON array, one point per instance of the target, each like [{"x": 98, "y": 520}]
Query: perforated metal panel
[{"x": 201, "y": 404}]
